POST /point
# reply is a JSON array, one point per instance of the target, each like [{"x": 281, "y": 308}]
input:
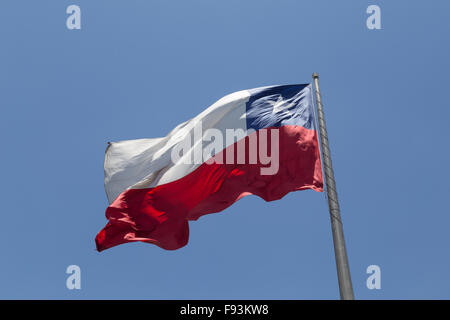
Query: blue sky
[{"x": 138, "y": 68}]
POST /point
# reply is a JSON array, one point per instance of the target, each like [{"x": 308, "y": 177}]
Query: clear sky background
[{"x": 136, "y": 69}]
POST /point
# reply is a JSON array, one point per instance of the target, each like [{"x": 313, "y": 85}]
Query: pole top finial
[{"x": 315, "y": 75}]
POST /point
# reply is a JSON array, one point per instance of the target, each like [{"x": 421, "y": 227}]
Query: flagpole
[{"x": 340, "y": 252}]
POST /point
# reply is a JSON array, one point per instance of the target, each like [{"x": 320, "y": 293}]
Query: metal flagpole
[{"x": 343, "y": 270}]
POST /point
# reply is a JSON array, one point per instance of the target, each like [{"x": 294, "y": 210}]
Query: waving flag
[{"x": 260, "y": 141}]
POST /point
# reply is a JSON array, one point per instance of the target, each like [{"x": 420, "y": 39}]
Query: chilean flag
[{"x": 260, "y": 141}]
